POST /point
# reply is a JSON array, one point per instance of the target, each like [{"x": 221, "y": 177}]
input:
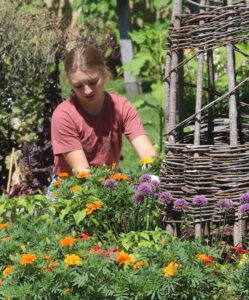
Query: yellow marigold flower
[
  {"x": 124, "y": 257},
  {"x": 47, "y": 257},
  {"x": 171, "y": 269},
  {"x": 102, "y": 179},
  {"x": 63, "y": 174},
  {"x": 119, "y": 177},
  {"x": 67, "y": 290},
  {"x": 23, "y": 247},
  {"x": 8, "y": 270},
  {"x": 98, "y": 204},
  {"x": 7, "y": 238},
  {"x": 5, "y": 225},
  {"x": 67, "y": 241},
  {"x": 82, "y": 175},
  {"x": 51, "y": 266},
  {"x": 146, "y": 161},
  {"x": 74, "y": 188},
  {"x": 244, "y": 259},
  {"x": 56, "y": 183},
  {"x": 27, "y": 259},
  {"x": 137, "y": 265},
  {"x": 72, "y": 260}
]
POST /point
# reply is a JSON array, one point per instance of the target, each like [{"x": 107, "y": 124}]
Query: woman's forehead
[{"x": 80, "y": 75}]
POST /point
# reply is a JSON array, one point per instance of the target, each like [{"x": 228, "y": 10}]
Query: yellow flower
[
  {"x": 47, "y": 257},
  {"x": 90, "y": 207},
  {"x": 67, "y": 290},
  {"x": 98, "y": 204},
  {"x": 119, "y": 177},
  {"x": 74, "y": 188},
  {"x": 7, "y": 238},
  {"x": 124, "y": 257},
  {"x": 146, "y": 161},
  {"x": 72, "y": 260},
  {"x": 171, "y": 269},
  {"x": 27, "y": 259},
  {"x": 244, "y": 259},
  {"x": 7, "y": 270},
  {"x": 137, "y": 265},
  {"x": 101, "y": 179},
  {"x": 5, "y": 225},
  {"x": 82, "y": 175},
  {"x": 67, "y": 241},
  {"x": 23, "y": 247},
  {"x": 56, "y": 183}
]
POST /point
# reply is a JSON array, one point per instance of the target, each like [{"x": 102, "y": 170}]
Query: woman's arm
[
  {"x": 77, "y": 160},
  {"x": 143, "y": 146}
]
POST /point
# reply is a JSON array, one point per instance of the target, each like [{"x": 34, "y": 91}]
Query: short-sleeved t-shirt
[{"x": 100, "y": 136}]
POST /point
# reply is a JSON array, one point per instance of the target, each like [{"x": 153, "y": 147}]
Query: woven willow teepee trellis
[{"x": 212, "y": 159}]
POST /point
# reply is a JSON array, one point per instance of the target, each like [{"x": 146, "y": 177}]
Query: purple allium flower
[
  {"x": 155, "y": 185},
  {"x": 244, "y": 198},
  {"x": 200, "y": 200},
  {"x": 139, "y": 198},
  {"x": 156, "y": 195},
  {"x": 166, "y": 198},
  {"x": 181, "y": 204},
  {"x": 244, "y": 209},
  {"x": 145, "y": 178},
  {"x": 225, "y": 205},
  {"x": 110, "y": 184},
  {"x": 135, "y": 187},
  {"x": 145, "y": 189}
]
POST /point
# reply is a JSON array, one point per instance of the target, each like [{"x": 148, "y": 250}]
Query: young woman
[{"x": 87, "y": 128}]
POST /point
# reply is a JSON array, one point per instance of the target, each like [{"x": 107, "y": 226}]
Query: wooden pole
[
  {"x": 167, "y": 88},
  {"x": 180, "y": 93},
  {"x": 10, "y": 169},
  {"x": 211, "y": 94},
  {"x": 176, "y": 20}
]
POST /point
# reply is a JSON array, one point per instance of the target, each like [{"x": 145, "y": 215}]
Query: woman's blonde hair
[{"x": 84, "y": 58}]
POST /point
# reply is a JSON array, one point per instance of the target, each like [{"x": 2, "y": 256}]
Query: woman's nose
[{"x": 87, "y": 89}]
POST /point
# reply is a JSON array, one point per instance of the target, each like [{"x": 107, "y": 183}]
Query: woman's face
[{"x": 88, "y": 86}]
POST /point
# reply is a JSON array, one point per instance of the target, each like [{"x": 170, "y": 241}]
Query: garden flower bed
[{"x": 101, "y": 238}]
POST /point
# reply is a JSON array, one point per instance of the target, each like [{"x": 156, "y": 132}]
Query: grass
[{"x": 148, "y": 116}]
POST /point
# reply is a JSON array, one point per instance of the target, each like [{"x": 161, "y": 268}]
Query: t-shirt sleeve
[
  {"x": 64, "y": 133},
  {"x": 132, "y": 123}
]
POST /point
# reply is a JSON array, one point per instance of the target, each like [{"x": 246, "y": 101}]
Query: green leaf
[
  {"x": 64, "y": 212},
  {"x": 79, "y": 216}
]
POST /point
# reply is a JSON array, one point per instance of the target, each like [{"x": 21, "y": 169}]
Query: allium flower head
[
  {"x": 225, "y": 205},
  {"x": 145, "y": 178},
  {"x": 166, "y": 198},
  {"x": 139, "y": 198},
  {"x": 200, "y": 200},
  {"x": 180, "y": 205},
  {"x": 145, "y": 189},
  {"x": 244, "y": 209},
  {"x": 110, "y": 184},
  {"x": 155, "y": 185},
  {"x": 244, "y": 198}
]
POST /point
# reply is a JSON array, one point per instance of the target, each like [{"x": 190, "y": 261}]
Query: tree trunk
[
  {"x": 176, "y": 20},
  {"x": 132, "y": 86}
]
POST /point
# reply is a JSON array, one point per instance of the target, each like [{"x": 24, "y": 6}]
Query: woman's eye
[
  {"x": 93, "y": 82},
  {"x": 78, "y": 86}
]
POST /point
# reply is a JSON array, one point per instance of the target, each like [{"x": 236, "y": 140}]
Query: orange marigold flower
[
  {"x": 1, "y": 282},
  {"x": 7, "y": 238},
  {"x": 90, "y": 207},
  {"x": 204, "y": 258},
  {"x": 5, "y": 225},
  {"x": 56, "y": 183},
  {"x": 82, "y": 175},
  {"x": 119, "y": 177},
  {"x": 124, "y": 257},
  {"x": 137, "y": 265},
  {"x": 171, "y": 269},
  {"x": 47, "y": 257},
  {"x": 98, "y": 204},
  {"x": 72, "y": 260},
  {"x": 51, "y": 266},
  {"x": 74, "y": 188},
  {"x": 7, "y": 270},
  {"x": 27, "y": 259},
  {"x": 63, "y": 174},
  {"x": 67, "y": 241}
]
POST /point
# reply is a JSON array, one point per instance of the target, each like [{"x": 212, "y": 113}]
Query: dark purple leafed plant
[
  {"x": 200, "y": 201},
  {"x": 181, "y": 205}
]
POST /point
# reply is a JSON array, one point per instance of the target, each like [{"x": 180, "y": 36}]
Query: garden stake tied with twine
[{"x": 210, "y": 158}]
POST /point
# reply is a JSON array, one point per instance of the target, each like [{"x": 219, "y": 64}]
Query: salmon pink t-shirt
[{"x": 100, "y": 136}]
